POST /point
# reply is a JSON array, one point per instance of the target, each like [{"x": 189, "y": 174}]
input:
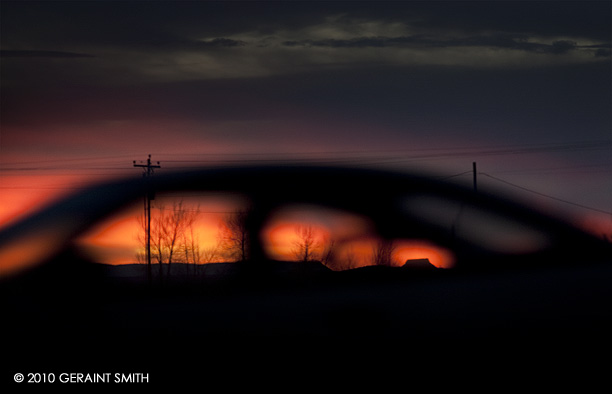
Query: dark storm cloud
[
  {"x": 139, "y": 24},
  {"x": 500, "y": 41},
  {"x": 397, "y": 62},
  {"x": 222, "y": 42}
]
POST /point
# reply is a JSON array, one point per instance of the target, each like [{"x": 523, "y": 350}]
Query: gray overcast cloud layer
[
  {"x": 342, "y": 75},
  {"x": 166, "y": 41},
  {"x": 86, "y": 79},
  {"x": 489, "y": 68}
]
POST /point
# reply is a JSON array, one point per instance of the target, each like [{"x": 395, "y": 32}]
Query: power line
[
  {"x": 591, "y": 168},
  {"x": 505, "y": 149},
  {"x": 545, "y": 195},
  {"x": 62, "y": 168},
  {"x": 192, "y": 210},
  {"x": 85, "y": 159},
  {"x": 347, "y": 156}
]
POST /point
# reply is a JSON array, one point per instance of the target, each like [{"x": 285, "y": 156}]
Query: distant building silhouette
[{"x": 418, "y": 264}]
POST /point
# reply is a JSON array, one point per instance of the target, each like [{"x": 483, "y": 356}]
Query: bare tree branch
[
  {"x": 305, "y": 247},
  {"x": 172, "y": 228},
  {"x": 235, "y": 235},
  {"x": 384, "y": 252}
]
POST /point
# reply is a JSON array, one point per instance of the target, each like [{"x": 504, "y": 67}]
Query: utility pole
[
  {"x": 475, "y": 173},
  {"x": 148, "y": 172}
]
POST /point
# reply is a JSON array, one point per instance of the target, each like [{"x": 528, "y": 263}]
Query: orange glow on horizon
[
  {"x": 116, "y": 241},
  {"x": 351, "y": 246},
  {"x": 21, "y": 195},
  {"x": 120, "y": 239},
  {"x": 282, "y": 239},
  {"x": 26, "y": 252}
]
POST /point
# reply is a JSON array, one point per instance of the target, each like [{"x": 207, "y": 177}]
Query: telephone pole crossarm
[{"x": 149, "y": 167}]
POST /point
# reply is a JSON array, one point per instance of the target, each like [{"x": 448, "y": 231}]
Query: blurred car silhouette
[{"x": 517, "y": 276}]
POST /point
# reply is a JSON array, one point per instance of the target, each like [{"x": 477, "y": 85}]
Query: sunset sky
[{"x": 522, "y": 88}]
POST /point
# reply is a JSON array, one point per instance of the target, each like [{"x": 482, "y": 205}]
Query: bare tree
[
  {"x": 329, "y": 251},
  {"x": 174, "y": 226},
  {"x": 348, "y": 259},
  {"x": 211, "y": 254},
  {"x": 191, "y": 242},
  {"x": 235, "y": 235},
  {"x": 383, "y": 253},
  {"x": 305, "y": 247},
  {"x": 168, "y": 229}
]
